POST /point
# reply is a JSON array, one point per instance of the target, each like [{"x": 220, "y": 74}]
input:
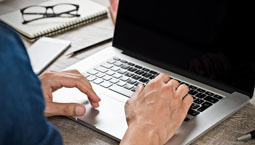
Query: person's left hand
[{"x": 52, "y": 81}]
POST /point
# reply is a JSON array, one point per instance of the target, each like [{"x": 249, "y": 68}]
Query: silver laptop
[{"x": 189, "y": 42}]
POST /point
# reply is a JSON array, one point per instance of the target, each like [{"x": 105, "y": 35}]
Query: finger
[
  {"x": 182, "y": 91},
  {"x": 174, "y": 83},
  {"x": 79, "y": 82},
  {"x": 163, "y": 77},
  {"x": 139, "y": 89},
  {"x": 187, "y": 101},
  {"x": 93, "y": 104},
  {"x": 66, "y": 109}
]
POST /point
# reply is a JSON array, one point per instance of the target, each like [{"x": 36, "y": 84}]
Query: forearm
[{"x": 140, "y": 135}]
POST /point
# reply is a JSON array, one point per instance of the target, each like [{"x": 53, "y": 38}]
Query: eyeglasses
[{"x": 37, "y": 12}]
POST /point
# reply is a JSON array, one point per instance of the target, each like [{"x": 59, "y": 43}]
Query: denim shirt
[{"x": 22, "y": 121}]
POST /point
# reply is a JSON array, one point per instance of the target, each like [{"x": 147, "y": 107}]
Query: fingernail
[{"x": 79, "y": 110}]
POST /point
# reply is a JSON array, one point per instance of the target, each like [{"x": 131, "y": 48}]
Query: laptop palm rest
[{"x": 108, "y": 118}]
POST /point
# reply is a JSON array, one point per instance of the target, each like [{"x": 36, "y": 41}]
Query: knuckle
[
  {"x": 176, "y": 82},
  {"x": 190, "y": 99},
  {"x": 185, "y": 87},
  {"x": 153, "y": 83},
  {"x": 76, "y": 71},
  {"x": 80, "y": 77},
  {"x": 164, "y": 74},
  {"x": 168, "y": 87}
]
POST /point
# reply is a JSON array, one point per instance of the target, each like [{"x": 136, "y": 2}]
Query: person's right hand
[{"x": 154, "y": 113}]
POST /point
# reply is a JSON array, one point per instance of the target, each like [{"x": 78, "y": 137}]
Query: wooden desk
[{"x": 76, "y": 134}]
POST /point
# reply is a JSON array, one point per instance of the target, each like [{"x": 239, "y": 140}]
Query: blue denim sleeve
[{"x": 22, "y": 104}]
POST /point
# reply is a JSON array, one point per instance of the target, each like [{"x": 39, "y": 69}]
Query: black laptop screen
[{"x": 205, "y": 40}]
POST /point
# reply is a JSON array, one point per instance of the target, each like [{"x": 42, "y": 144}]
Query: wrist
[{"x": 140, "y": 134}]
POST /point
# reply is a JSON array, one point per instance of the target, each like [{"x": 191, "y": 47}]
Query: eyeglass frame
[{"x": 49, "y": 15}]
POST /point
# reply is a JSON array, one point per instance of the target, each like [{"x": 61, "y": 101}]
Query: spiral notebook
[{"x": 89, "y": 11}]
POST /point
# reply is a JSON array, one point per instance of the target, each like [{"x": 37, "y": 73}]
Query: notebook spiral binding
[{"x": 70, "y": 25}]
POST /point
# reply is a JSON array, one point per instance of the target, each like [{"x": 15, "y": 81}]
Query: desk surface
[{"x": 76, "y": 134}]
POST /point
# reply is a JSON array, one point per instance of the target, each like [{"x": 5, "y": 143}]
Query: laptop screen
[{"x": 203, "y": 40}]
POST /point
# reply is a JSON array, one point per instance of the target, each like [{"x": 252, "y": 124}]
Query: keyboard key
[
  {"x": 194, "y": 106},
  {"x": 211, "y": 99},
  {"x": 111, "y": 61},
  {"x": 121, "y": 90},
  {"x": 139, "y": 72},
  {"x": 200, "y": 90},
  {"x": 123, "y": 61},
  {"x": 125, "y": 66},
  {"x": 153, "y": 72},
  {"x": 116, "y": 58},
  {"x": 192, "y": 87},
  {"x": 121, "y": 83},
  {"x": 122, "y": 71},
  {"x": 107, "y": 65},
  {"x": 145, "y": 69},
  {"x": 135, "y": 84},
  {"x": 109, "y": 72},
  {"x": 204, "y": 106},
  {"x": 207, "y": 104},
  {"x": 147, "y": 75},
  {"x": 131, "y": 81},
  {"x": 209, "y": 93},
  {"x": 217, "y": 97},
  {"x": 128, "y": 86},
  {"x": 198, "y": 101},
  {"x": 129, "y": 74},
  {"x": 132, "y": 69},
  {"x": 138, "y": 67},
  {"x": 131, "y": 64},
  {"x": 143, "y": 80},
  {"x": 192, "y": 92},
  {"x": 106, "y": 84},
  {"x": 124, "y": 78},
  {"x": 99, "y": 75},
  {"x": 153, "y": 76},
  {"x": 92, "y": 72},
  {"x": 117, "y": 75},
  {"x": 136, "y": 77},
  {"x": 107, "y": 78},
  {"x": 101, "y": 69},
  {"x": 200, "y": 95},
  {"x": 115, "y": 68},
  {"x": 133, "y": 89},
  {"x": 114, "y": 80},
  {"x": 91, "y": 78},
  {"x": 117, "y": 63},
  {"x": 193, "y": 112},
  {"x": 98, "y": 81}
]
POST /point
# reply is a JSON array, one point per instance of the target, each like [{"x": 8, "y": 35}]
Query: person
[{"x": 26, "y": 101}]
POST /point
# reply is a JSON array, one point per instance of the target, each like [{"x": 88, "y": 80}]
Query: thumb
[{"x": 66, "y": 109}]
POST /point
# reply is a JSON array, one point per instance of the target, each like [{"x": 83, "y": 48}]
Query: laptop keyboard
[{"x": 122, "y": 77}]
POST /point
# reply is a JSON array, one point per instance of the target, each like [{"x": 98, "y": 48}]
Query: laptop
[{"x": 191, "y": 41}]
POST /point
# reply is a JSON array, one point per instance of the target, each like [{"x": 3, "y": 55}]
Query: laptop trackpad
[{"x": 109, "y": 117}]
